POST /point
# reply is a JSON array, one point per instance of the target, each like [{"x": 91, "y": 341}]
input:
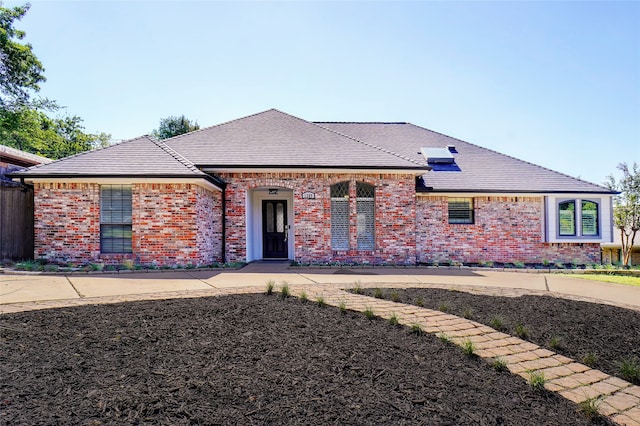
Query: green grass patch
[{"x": 607, "y": 278}]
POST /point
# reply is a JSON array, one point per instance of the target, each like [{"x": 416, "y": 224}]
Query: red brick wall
[
  {"x": 506, "y": 229},
  {"x": 394, "y": 212},
  {"x": 173, "y": 224}
]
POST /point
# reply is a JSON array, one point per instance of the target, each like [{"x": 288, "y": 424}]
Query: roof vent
[
  {"x": 437, "y": 155},
  {"x": 452, "y": 148}
]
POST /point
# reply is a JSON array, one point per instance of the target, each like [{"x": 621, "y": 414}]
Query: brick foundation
[{"x": 506, "y": 229}]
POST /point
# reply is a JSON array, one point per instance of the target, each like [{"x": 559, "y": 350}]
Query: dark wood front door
[{"x": 275, "y": 229}]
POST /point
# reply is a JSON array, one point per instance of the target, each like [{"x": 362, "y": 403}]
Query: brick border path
[{"x": 619, "y": 400}]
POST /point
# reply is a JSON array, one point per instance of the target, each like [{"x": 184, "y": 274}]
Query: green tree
[
  {"x": 626, "y": 211},
  {"x": 33, "y": 131},
  {"x": 20, "y": 70},
  {"x": 174, "y": 126}
]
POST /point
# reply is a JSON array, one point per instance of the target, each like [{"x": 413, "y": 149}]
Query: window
[
  {"x": 578, "y": 218},
  {"x": 589, "y": 218},
  {"x": 340, "y": 216},
  {"x": 115, "y": 219},
  {"x": 365, "y": 204},
  {"x": 461, "y": 210},
  {"x": 567, "y": 218}
]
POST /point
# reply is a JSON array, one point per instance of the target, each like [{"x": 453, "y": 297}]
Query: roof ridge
[
  {"x": 360, "y": 122},
  {"x": 176, "y": 155},
  {"x": 173, "y": 138},
  {"x": 379, "y": 148},
  {"x": 512, "y": 157}
]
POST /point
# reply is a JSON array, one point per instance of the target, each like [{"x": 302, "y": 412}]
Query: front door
[{"x": 275, "y": 229}]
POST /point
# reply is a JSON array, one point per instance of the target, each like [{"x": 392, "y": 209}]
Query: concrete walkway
[
  {"x": 31, "y": 291},
  {"x": 572, "y": 380}
]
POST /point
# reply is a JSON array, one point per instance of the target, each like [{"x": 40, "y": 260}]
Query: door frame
[{"x": 254, "y": 197}]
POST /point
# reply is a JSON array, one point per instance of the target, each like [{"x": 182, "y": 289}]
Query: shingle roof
[
  {"x": 274, "y": 139},
  {"x": 481, "y": 169},
  {"x": 143, "y": 156},
  {"x": 22, "y": 156}
]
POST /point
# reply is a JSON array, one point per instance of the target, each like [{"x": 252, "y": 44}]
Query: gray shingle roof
[
  {"x": 481, "y": 169},
  {"x": 275, "y": 139},
  {"x": 143, "y": 156},
  {"x": 22, "y": 156}
]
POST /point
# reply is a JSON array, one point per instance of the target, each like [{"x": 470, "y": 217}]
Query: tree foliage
[
  {"x": 626, "y": 211},
  {"x": 174, "y": 126},
  {"x": 34, "y": 131},
  {"x": 20, "y": 70},
  {"x": 23, "y": 124}
]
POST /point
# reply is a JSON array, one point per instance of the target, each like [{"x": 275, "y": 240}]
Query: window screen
[
  {"x": 115, "y": 219},
  {"x": 461, "y": 210},
  {"x": 340, "y": 216},
  {"x": 365, "y": 210}
]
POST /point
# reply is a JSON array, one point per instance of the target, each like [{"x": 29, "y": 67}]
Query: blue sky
[{"x": 553, "y": 83}]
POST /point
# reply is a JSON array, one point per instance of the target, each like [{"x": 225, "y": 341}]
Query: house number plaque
[{"x": 308, "y": 195}]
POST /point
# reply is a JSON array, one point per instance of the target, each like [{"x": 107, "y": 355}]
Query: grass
[
  {"x": 444, "y": 338},
  {"x": 270, "y": 285},
  {"x": 497, "y": 322},
  {"x": 320, "y": 301},
  {"x": 377, "y": 293},
  {"x": 343, "y": 307},
  {"x": 468, "y": 313},
  {"x": 537, "y": 380},
  {"x": 589, "y": 407},
  {"x": 444, "y": 307},
  {"x": 368, "y": 312},
  {"x": 630, "y": 370},
  {"x": 590, "y": 359},
  {"x": 304, "y": 297},
  {"x": 284, "y": 290},
  {"x": 395, "y": 297},
  {"x": 521, "y": 331},
  {"x": 607, "y": 278},
  {"x": 468, "y": 348},
  {"x": 357, "y": 288},
  {"x": 393, "y": 320},
  {"x": 416, "y": 329},
  {"x": 555, "y": 343},
  {"x": 499, "y": 364},
  {"x": 420, "y": 302}
]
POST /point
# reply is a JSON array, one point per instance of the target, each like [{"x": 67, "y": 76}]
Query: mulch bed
[
  {"x": 581, "y": 329},
  {"x": 249, "y": 359}
]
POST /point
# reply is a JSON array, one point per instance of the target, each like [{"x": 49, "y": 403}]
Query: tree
[
  {"x": 33, "y": 131},
  {"x": 626, "y": 211},
  {"x": 174, "y": 126},
  {"x": 20, "y": 70}
]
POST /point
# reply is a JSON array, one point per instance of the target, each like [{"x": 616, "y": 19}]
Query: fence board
[{"x": 16, "y": 223}]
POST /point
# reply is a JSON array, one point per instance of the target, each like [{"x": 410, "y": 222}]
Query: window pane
[
  {"x": 279, "y": 217},
  {"x": 567, "y": 217},
  {"x": 589, "y": 218},
  {"x": 115, "y": 218},
  {"x": 365, "y": 209},
  {"x": 269, "y": 217},
  {"x": 461, "y": 210},
  {"x": 340, "y": 216}
]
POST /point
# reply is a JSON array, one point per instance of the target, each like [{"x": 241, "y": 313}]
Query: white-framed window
[
  {"x": 340, "y": 216},
  {"x": 115, "y": 219},
  {"x": 365, "y": 210},
  {"x": 577, "y": 218},
  {"x": 461, "y": 210}
]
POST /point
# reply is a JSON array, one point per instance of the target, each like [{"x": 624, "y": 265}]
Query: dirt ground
[
  {"x": 250, "y": 359},
  {"x": 600, "y": 335}
]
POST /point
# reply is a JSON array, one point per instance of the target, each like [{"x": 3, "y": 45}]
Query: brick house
[{"x": 274, "y": 186}]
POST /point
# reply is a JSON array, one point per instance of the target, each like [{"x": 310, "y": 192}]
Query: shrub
[
  {"x": 395, "y": 296},
  {"x": 468, "y": 348},
  {"x": 630, "y": 370},
  {"x": 368, "y": 312},
  {"x": 377, "y": 293},
  {"x": 521, "y": 331},
  {"x": 343, "y": 307},
  {"x": 444, "y": 307},
  {"x": 468, "y": 313},
  {"x": 444, "y": 337},
  {"x": 320, "y": 301},
  {"x": 420, "y": 302},
  {"x": 590, "y": 359},
  {"x": 416, "y": 329},
  {"x": 357, "y": 288},
  {"x": 497, "y": 322},
  {"x": 304, "y": 297},
  {"x": 270, "y": 285},
  {"x": 284, "y": 289},
  {"x": 393, "y": 320},
  {"x": 589, "y": 407},
  {"x": 555, "y": 343},
  {"x": 499, "y": 364}
]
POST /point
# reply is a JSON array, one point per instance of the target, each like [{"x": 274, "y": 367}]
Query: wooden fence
[{"x": 16, "y": 222}]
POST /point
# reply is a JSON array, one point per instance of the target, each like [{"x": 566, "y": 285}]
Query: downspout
[{"x": 223, "y": 255}]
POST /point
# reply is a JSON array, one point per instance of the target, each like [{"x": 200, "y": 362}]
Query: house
[{"x": 274, "y": 186}]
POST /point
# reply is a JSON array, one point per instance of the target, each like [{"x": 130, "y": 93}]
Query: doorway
[{"x": 275, "y": 229}]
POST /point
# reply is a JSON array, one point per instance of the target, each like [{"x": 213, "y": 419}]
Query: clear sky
[{"x": 553, "y": 83}]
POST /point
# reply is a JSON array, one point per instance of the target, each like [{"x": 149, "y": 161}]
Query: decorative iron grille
[
  {"x": 340, "y": 216},
  {"x": 365, "y": 210}
]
